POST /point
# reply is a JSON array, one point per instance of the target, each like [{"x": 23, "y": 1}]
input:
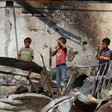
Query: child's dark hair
[
  {"x": 27, "y": 40},
  {"x": 63, "y": 40},
  {"x": 106, "y": 40}
]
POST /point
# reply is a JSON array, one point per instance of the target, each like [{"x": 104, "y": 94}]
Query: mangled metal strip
[
  {"x": 29, "y": 102},
  {"x": 84, "y": 103},
  {"x": 97, "y": 81},
  {"x": 98, "y": 73},
  {"x": 62, "y": 104},
  {"x": 99, "y": 86},
  {"x": 6, "y": 90},
  {"x": 104, "y": 83},
  {"x": 105, "y": 105},
  {"x": 16, "y": 71},
  {"x": 70, "y": 83},
  {"x": 20, "y": 64}
]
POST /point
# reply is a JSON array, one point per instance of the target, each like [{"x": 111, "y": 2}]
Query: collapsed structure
[
  {"x": 26, "y": 86},
  {"x": 37, "y": 93}
]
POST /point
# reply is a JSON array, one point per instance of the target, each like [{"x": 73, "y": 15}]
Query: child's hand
[
  {"x": 101, "y": 48},
  {"x": 56, "y": 47},
  {"x": 58, "y": 41}
]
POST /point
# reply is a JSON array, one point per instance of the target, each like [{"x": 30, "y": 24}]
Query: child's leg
[
  {"x": 64, "y": 74},
  {"x": 58, "y": 75}
]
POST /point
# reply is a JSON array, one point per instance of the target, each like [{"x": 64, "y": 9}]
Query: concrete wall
[{"x": 76, "y": 22}]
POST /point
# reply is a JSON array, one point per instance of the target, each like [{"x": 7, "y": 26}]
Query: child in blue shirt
[{"x": 104, "y": 56}]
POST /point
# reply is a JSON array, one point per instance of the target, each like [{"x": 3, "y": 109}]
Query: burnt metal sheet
[
  {"x": 29, "y": 102},
  {"x": 16, "y": 71},
  {"x": 20, "y": 64},
  {"x": 84, "y": 103}
]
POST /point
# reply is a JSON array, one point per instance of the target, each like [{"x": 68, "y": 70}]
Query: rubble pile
[{"x": 37, "y": 93}]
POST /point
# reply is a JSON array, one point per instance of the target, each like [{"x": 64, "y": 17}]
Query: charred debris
[{"x": 28, "y": 87}]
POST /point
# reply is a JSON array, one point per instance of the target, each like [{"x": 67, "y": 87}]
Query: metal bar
[
  {"x": 103, "y": 85},
  {"x": 70, "y": 83},
  {"x": 109, "y": 82},
  {"x": 98, "y": 73},
  {"x": 96, "y": 81},
  {"x": 50, "y": 57},
  {"x": 94, "y": 72},
  {"x": 15, "y": 27},
  {"x": 100, "y": 82}
]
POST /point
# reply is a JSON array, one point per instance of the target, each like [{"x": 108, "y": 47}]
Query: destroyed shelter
[{"x": 84, "y": 25}]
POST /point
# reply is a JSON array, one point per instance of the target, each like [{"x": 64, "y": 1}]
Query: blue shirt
[{"x": 105, "y": 56}]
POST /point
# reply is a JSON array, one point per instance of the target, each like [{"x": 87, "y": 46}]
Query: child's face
[
  {"x": 104, "y": 45},
  {"x": 27, "y": 44}
]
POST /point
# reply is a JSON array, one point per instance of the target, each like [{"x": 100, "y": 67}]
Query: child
[
  {"x": 104, "y": 55},
  {"x": 26, "y": 53},
  {"x": 60, "y": 53}
]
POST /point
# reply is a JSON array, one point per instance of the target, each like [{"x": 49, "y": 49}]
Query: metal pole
[{"x": 15, "y": 27}]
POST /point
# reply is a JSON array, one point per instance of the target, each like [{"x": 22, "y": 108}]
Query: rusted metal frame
[
  {"x": 106, "y": 84},
  {"x": 98, "y": 74},
  {"x": 96, "y": 81},
  {"x": 109, "y": 82},
  {"x": 94, "y": 71},
  {"x": 70, "y": 83},
  {"x": 99, "y": 86},
  {"x": 101, "y": 81},
  {"x": 106, "y": 107},
  {"x": 33, "y": 86},
  {"x": 103, "y": 85},
  {"x": 97, "y": 78}
]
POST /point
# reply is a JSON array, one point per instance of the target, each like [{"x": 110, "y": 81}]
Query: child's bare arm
[
  {"x": 99, "y": 53},
  {"x": 63, "y": 45},
  {"x": 56, "y": 47},
  {"x": 53, "y": 53}
]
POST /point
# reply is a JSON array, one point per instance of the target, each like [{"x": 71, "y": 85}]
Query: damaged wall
[{"x": 83, "y": 24}]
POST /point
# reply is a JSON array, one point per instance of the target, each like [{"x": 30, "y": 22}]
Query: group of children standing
[
  {"x": 27, "y": 54},
  {"x": 104, "y": 55}
]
